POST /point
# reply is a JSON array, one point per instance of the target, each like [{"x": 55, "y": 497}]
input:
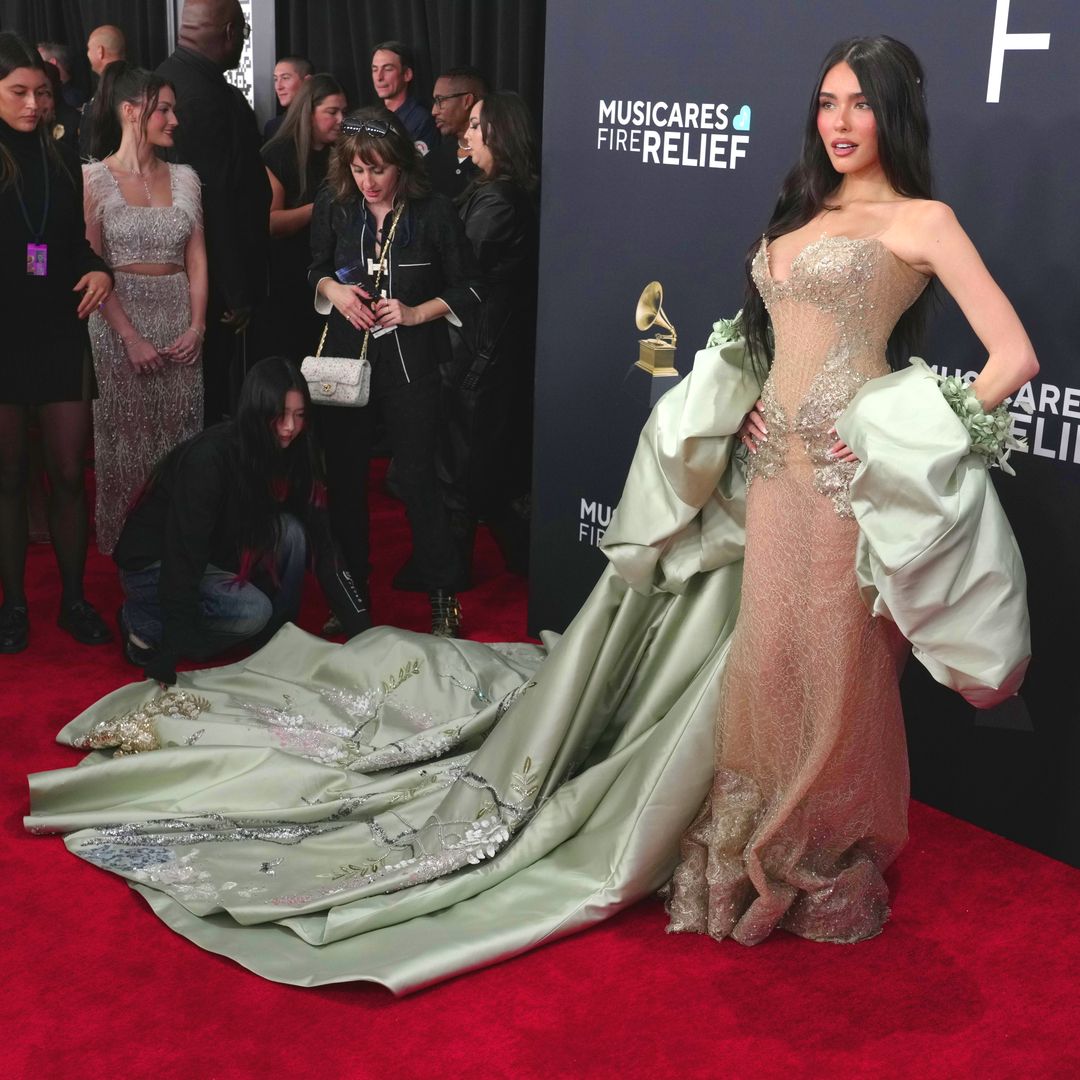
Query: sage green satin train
[{"x": 403, "y": 808}]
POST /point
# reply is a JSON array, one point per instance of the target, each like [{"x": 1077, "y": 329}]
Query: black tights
[{"x": 65, "y": 431}]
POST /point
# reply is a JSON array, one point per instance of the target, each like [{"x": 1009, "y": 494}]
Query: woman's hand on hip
[
  {"x": 753, "y": 432},
  {"x": 98, "y": 286},
  {"x": 840, "y": 451},
  {"x": 352, "y": 302}
]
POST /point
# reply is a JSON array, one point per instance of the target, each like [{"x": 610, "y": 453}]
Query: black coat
[
  {"x": 219, "y": 138},
  {"x": 430, "y": 258},
  {"x": 188, "y": 518},
  {"x": 501, "y": 223},
  {"x": 45, "y": 355}
]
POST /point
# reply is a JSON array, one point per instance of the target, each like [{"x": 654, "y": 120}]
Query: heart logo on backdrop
[{"x": 742, "y": 119}]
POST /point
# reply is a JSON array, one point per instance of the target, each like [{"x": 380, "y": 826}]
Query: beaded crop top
[{"x": 142, "y": 234}]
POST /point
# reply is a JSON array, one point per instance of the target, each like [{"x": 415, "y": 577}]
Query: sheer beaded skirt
[
  {"x": 138, "y": 419},
  {"x": 809, "y": 800}
]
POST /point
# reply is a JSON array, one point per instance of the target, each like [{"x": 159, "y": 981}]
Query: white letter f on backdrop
[{"x": 1004, "y": 41}]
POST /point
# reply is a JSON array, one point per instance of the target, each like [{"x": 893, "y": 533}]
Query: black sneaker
[
  {"x": 14, "y": 628},
  {"x": 138, "y": 655},
  {"x": 84, "y": 624}
]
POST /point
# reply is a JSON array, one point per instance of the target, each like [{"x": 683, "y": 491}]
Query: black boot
[{"x": 445, "y": 613}]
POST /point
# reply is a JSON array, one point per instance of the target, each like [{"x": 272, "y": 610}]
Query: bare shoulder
[{"x": 920, "y": 229}]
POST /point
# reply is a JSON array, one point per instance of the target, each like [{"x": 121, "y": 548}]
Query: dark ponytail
[{"x": 121, "y": 83}]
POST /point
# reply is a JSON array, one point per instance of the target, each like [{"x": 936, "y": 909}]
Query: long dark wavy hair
[
  {"x": 121, "y": 83},
  {"x": 507, "y": 127},
  {"x": 295, "y": 129},
  {"x": 15, "y": 53},
  {"x": 892, "y": 79},
  {"x": 268, "y": 474},
  {"x": 394, "y": 148}
]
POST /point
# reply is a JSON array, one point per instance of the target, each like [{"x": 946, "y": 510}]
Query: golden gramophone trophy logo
[{"x": 656, "y": 355}]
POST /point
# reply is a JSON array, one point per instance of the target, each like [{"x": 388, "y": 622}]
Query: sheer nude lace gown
[
  {"x": 809, "y": 801},
  {"x": 138, "y": 419}
]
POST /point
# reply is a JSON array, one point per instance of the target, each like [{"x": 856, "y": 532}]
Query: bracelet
[
  {"x": 990, "y": 432},
  {"x": 200, "y": 331}
]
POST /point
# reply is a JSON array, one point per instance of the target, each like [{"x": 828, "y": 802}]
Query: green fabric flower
[
  {"x": 725, "y": 330},
  {"x": 990, "y": 432}
]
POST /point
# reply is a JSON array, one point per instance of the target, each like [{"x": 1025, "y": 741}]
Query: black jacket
[
  {"x": 501, "y": 224},
  {"x": 430, "y": 258},
  {"x": 189, "y": 519},
  {"x": 449, "y": 176},
  {"x": 45, "y": 342},
  {"x": 219, "y": 138}
]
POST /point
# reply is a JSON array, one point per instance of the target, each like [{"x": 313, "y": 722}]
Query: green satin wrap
[
  {"x": 403, "y": 808},
  {"x": 936, "y": 553}
]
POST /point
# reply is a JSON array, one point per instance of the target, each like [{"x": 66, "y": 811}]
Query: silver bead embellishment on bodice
[{"x": 832, "y": 318}]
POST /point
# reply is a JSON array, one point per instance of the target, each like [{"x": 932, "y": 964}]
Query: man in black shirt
[
  {"x": 105, "y": 45},
  {"x": 219, "y": 138},
  {"x": 450, "y": 165}
]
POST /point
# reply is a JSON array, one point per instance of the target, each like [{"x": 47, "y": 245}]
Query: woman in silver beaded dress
[{"x": 144, "y": 216}]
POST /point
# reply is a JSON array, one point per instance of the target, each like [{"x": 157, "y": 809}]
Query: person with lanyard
[
  {"x": 50, "y": 281},
  {"x": 391, "y": 265}
]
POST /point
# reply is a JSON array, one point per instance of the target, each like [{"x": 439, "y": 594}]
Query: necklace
[{"x": 142, "y": 177}]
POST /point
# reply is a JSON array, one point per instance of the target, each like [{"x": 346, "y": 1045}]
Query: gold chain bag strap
[{"x": 346, "y": 380}]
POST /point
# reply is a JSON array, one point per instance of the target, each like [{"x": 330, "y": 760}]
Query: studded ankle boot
[{"x": 445, "y": 613}]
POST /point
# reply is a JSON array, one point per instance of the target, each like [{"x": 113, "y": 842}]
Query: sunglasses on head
[{"x": 378, "y": 129}]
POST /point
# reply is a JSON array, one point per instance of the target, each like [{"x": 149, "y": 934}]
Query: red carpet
[{"x": 975, "y": 976}]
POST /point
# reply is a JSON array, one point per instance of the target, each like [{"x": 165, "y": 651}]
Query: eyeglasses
[
  {"x": 377, "y": 129},
  {"x": 441, "y": 99}
]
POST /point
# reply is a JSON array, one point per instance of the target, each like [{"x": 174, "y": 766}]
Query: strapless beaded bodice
[
  {"x": 831, "y": 320},
  {"x": 143, "y": 234}
]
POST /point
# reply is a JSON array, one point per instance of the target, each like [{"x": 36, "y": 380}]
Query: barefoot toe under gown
[{"x": 403, "y": 808}]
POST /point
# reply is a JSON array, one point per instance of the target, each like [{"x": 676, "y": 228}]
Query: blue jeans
[{"x": 232, "y": 611}]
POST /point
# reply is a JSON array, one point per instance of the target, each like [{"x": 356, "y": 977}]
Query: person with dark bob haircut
[
  {"x": 214, "y": 550},
  {"x": 377, "y": 210},
  {"x": 722, "y": 716},
  {"x": 50, "y": 281},
  {"x": 487, "y": 452}
]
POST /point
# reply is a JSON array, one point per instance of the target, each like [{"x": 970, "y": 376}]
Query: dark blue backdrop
[{"x": 616, "y": 216}]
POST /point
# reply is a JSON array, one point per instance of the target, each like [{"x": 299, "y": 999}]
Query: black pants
[{"x": 411, "y": 414}]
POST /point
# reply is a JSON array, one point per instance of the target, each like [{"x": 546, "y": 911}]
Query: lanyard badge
[
  {"x": 37, "y": 260},
  {"x": 37, "y": 251}
]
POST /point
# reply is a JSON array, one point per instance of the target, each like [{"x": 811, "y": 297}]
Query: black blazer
[{"x": 430, "y": 258}]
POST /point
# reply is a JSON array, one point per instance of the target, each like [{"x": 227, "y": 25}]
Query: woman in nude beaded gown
[
  {"x": 403, "y": 808},
  {"x": 809, "y": 800},
  {"x": 145, "y": 217}
]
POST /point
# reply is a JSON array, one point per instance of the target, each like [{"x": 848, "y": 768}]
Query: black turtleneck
[{"x": 42, "y": 342}]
